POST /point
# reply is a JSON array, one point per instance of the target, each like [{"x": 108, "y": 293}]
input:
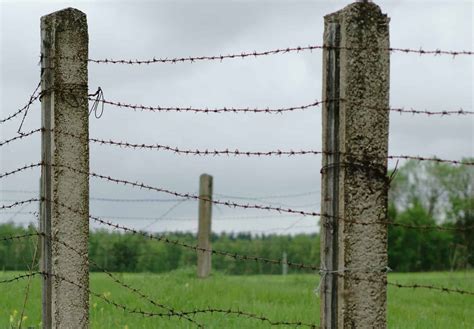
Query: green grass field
[{"x": 279, "y": 298}]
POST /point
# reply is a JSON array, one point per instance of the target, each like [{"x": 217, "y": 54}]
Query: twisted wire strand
[
  {"x": 19, "y": 137},
  {"x": 297, "y": 49}
]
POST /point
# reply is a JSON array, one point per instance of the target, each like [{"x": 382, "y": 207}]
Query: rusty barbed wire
[
  {"x": 139, "y": 107},
  {"x": 19, "y": 203},
  {"x": 205, "y": 152},
  {"x": 113, "y": 303},
  {"x": 433, "y": 159},
  {"x": 190, "y": 195},
  {"x": 430, "y": 113},
  {"x": 181, "y": 314},
  {"x": 238, "y": 152},
  {"x": 231, "y": 204},
  {"x": 260, "y": 317},
  {"x": 171, "y": 311},
  {"x": 33, "y": 98},
  {"x": 21, "y": 136},
  {"x": 184, "y": 314},
  {"x": 15, "y": 171},
  {"x": 255, "y": 54},
  {"x": 21, "y": 276},
  {"x": 167, "y": 240}
]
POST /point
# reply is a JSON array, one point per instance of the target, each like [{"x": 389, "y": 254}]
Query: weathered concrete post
[
  {"x": 354, "y": 186},
  {"x": 204, "y": 229},
  {"x": 65, "y": 209}
]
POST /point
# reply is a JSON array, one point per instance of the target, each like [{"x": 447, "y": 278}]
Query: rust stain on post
[
  {"x": 355, "y": 256},
  {"x": 65, "y": 108}
]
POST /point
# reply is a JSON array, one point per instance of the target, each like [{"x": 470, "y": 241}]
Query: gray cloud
[{"x": 168, "y": 29}]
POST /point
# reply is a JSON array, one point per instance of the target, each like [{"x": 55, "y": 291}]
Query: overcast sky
[{"x": 144, "y": 30}]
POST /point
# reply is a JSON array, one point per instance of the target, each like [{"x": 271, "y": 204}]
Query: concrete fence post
[
  {"x": 204, "y": 229},
  {"x": 284, "y": 264},
  {"x": 64, "y": 50},
  {"x": 354, "y": 182}
]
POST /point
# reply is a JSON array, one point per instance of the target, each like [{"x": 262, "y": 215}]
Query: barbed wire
[
  {"x": 21, "y": 276},
  {"x": 117, "y": 305},
  {"x": 273, "y": 196},
  {"x": 413, "y": 226},
  {"x": 190, "y": 195},
  {"x": 184, "y": 314},
  {"x": 33, "y": 98},
  {"x": 231, "y": 204},
  {"x": 96, "y": 198},
  {"x": 237, "y": 152},
  {"x": 218, "y": 218},
  {"x": 255, "y": 54},
  {"x": 19, "y": 203},
  {"x": 431, "y": 287},
  {"x": 140, "y": 107},
  {"x": 137, "y": 107},
  {"x": 20, "y": 169},
  {"x": 167, "y": 240},
  {"x": 21, "y": 136},
  {"x": 431, "y": 113},
  {"x": 407, "y": 286},
  {"x": 17, "y": 237},
  {"x": 171, "y": 311}
]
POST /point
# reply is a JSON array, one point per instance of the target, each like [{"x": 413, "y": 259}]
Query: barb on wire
[
  {"x": 18, "y": 203},
  {"x": 137, "y": 107},
  {"x": 241, "y": 55},
  {"x": 15, "y": 171},
  {"x": 23, "y": 135},
  {"x": 33, "y": 98}
]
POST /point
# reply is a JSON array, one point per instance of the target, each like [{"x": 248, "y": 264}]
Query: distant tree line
[{"x": 424, "y": 194}]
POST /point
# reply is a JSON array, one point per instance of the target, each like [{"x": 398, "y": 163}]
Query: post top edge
[
  {"x": 69, "y": 11},
  {"x": 366, "y": 5}
]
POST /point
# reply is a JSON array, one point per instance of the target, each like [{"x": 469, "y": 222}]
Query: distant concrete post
[
  {"x": 284, "y": 264},
  {"x": 64, "y": 49},
  {"x": 354, "y": 186},
  {"x": 204, "y": 229}
]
